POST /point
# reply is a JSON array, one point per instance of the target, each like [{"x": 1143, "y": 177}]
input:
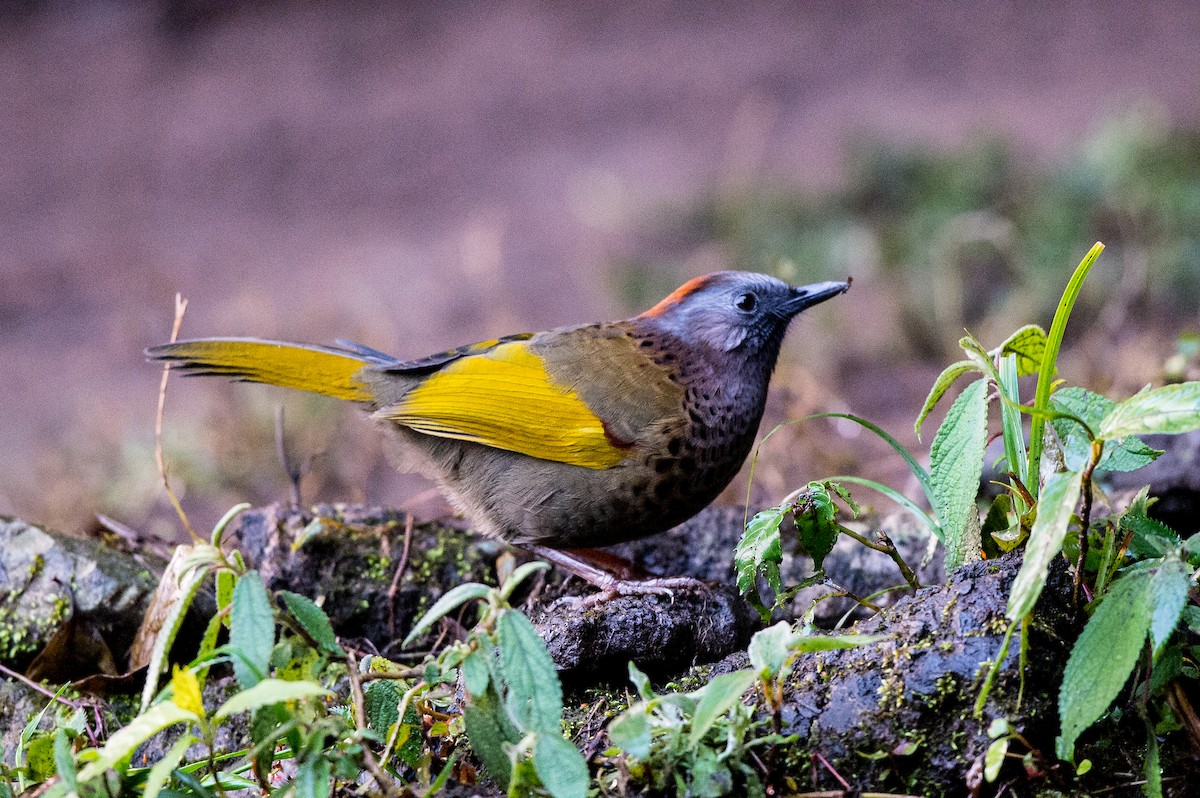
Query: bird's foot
[
  {"x": 657, "y": 586},
  {"x": 611, "y": 586}
]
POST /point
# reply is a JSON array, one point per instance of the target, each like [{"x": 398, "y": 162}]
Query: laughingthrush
[{"x": 567, "y": 439}]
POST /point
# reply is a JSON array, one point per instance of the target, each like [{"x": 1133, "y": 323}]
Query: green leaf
[
  {"x": 125, "y": 741},
  {"x": 267, "y": 692},
  {"x": 1168, "y": 593},
  {"x": 1103, "y": 657},
  {"x": 533, "y": 695},
  {"x": 519, "y": 575},
  {"x": 806, "y": 644},
  {"x": 251, "y": 630},
  {"x": 760, "y": 550},
  {"x": 450, "y": 600},
  {"x": 487, "y": 741},
  {"x": 1055, "y": 509},
  {"x": 813, "y": 512},
  {"x": 1010, "y": 419},
  {"x": 1045, "y": 383},
  {"x": 1122, "y": 454},
  {"x": 560, "y": 767},
  {"x": 161, "y": 771},
  {"x": 993, "y": 760},
  {"x": 64, "y": 761},
  {"x": 1149, "y": 537},
  {"x": 314, "y": 621},
  {"x": 1171, "y": 409},
  {"x": 769, "y": 648},
  {"x": 641, "y": 682},
  {"x": 475, "y": 672},
  {"x": 381, "y": 703},
  {"x": 940, "y": 386},
  {"x": 715, "y": 699},
  {"x": 977, "y": 354},
  {"x": 1029, "y": 345},
  {"x": 313, "y": 779},
  {"x": 956, "y": 465},
  {"x": 631, "y": 731}
]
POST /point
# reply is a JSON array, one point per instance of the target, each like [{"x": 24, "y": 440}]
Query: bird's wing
[{"x": 499, "y": 393}]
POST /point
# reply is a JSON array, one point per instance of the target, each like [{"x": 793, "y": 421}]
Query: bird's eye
[{"x": 746, "y": 303}]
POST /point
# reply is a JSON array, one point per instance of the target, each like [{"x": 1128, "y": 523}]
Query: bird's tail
[{"x": 318, "y": 369}]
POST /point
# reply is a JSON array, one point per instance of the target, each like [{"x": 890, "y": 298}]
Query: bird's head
[{"x": 741, "y": 312}]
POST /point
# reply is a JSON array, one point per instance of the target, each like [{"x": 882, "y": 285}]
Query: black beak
[{"x": 805, "y": 296}]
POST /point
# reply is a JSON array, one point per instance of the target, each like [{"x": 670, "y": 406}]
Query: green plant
[
  {"x": 1137, "y": 569},
  {"x": 699, "y": 743},
  {"x": 513, "y": 716}
]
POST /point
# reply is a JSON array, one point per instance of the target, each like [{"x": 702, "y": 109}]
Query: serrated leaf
[
  {"x": 125, "y": 741},
  {"x": 161, "y": 771},
  {"x": 760, "y": 551},
  {"x": 267, "y": 692},
  {"x": 1029, "y": 345},
  {"x": 1172, "y": 409},
  {"x": 1121, "y": 454},
  {"x": 560, "y": 767},
  {"x": 1055, "y": 508},
  {"x": 251, "y": 630},
  {"x": 1103, "y": 657},
  {"x": 715, "y": 699},
  {"x": 956, "y": 465},
  {"x": 814, "y": 512},
  {"x": 1149, "y": 537},
  {"x": 487, "y": 741},
  {"x": 533, "y": 695},
  {"x": 1168, "y": 593},
  {"x": 313, "y": 779},
  {"x": 313, "y": 620},
  {"x": 450, "y": 600},
  {"x": 940, "y": 386},
  {"x": 381, "y": 703}
]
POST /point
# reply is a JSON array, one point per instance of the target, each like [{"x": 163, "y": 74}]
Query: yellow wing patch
[{"x": 506, "y": 399}]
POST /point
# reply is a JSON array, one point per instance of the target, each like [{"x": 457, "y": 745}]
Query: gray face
[{"x": 738, "y": 311}]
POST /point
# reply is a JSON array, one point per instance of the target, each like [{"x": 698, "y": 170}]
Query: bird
[{"x": 566, "y": 440}]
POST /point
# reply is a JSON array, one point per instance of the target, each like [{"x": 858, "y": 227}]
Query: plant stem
[
  {"x": 1085, "y": 515},
  {"x": 886, "y": 546}
]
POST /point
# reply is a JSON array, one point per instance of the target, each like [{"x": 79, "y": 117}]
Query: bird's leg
[{"x": 581, "y": 563}]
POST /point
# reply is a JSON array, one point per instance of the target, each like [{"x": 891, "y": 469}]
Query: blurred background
[{"x": 417, "y": 176}]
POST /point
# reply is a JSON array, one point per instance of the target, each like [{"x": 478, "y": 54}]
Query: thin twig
[
  {"x": 360, "y": 719},
  {"x": 293, "y": 471},
  {"x": 400, "y": 567},
  {"x": 180, "y": 308},
  {"x": 825, "y": 762},
  {"x": 885, "y": 546},
  {"x": 841, "y": 592}
]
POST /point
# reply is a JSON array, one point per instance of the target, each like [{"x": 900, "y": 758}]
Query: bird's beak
[{"x": 805, "y": 296}]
